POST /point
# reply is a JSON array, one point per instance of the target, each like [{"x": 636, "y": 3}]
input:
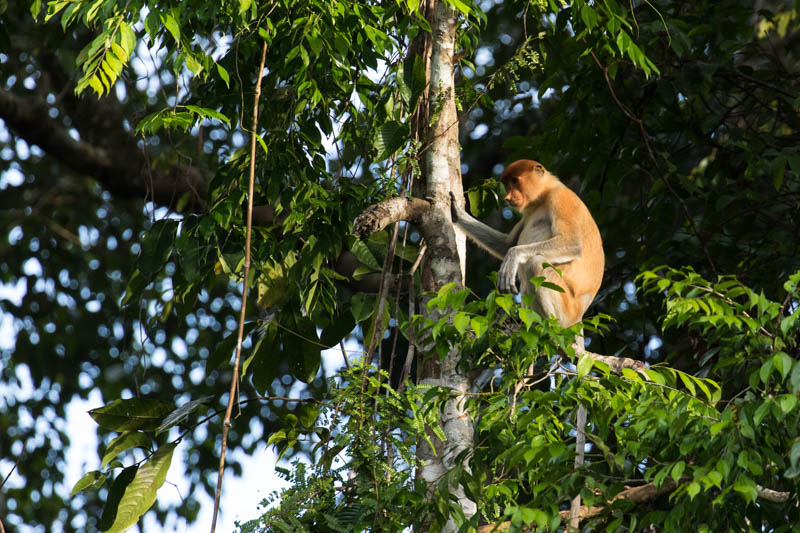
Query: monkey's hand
[
  {"x": 507, "y": 275},
  {"x": 456, "y": 211}
]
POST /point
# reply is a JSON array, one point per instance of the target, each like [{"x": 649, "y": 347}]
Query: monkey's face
[{"x": 524, "y": 183}]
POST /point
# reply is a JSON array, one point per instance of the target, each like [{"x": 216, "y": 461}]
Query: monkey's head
[{"x": 525, "y": 182}]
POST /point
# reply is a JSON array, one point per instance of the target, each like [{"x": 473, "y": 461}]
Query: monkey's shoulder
[{"x": 536, "y": 226}]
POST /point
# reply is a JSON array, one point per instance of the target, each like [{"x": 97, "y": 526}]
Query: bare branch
[
  {"x": 618, "y": 363},
  {"x": 378, "y": 216},
  {"x": 233, "y": 394},
  {"x": 772, "y": 495}
]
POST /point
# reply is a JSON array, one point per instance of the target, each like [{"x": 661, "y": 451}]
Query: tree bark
[{"x": 447, "y": 258}]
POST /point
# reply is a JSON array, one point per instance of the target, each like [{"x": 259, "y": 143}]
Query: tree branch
[
  {"x": 124, "y": 172},
  {"x": 771, "y": 495},
  {"x": 378, "y": 216},
  {"x": 618, "y": 363},
  {"x": 641, "y": 494}
]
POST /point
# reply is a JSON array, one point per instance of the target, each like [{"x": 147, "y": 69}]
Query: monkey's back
[{"x": 581, "y": 277}]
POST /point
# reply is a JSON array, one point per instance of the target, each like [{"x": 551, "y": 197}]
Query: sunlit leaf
[{"x": 140, "y": 493}]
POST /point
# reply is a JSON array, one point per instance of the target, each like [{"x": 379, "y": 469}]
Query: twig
[
  {"x": 580, "y": 446},
  {"x": 780, "y": 317},
  {"x": 344, "y": 355},
  {"x": 377, "y": 325},
  {"x": 235, "y": 378},
  {"x": 3, "y": 529},
  {"x": 411, "y": 311},
  {"x": 9, "y": 474}
]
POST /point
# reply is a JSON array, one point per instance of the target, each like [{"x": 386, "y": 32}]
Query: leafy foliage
[
  {"x": 676, "y": 121},
  {"x": 716, "y": 445},
  {"x": 364, "y": 476}
]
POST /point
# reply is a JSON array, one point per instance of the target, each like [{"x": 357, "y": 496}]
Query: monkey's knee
[{"x": 547, "y": 303}]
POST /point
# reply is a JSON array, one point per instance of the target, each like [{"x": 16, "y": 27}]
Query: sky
[{"x": 241, "y": 495}]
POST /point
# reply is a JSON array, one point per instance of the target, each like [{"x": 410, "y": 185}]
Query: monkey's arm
[
  {"x": 563, "y": 247},
  {"x": 495, "y": 242}
]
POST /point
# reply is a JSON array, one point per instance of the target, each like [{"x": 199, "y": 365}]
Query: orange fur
[{"x": 556, "y": 229}]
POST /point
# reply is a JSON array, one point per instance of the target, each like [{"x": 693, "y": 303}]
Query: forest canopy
[{"x": 164, "y": 161}]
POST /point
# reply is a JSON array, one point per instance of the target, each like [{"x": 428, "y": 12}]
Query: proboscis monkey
[{"x": 556, "y": 229}]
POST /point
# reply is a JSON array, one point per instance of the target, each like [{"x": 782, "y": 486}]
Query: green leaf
[
  {"x": 461, "y": 6},
  {"x": 338, "y": 329},
  {"x": 632, "y": 375},
  {"x": 140, "y": 494},
  {"x": 746, "y": 487},
  {"x": 300, "y": 345},
  {"x": 766, "y": 371},
  {"x": 125, "y": 441},
  {"x": 762, "y": 411},
  {"x": 790, "y": 324},
  {"x": 715, "y": 478},
  {"x": 505, "y": 302},
  {"x": 794, "y": 379},
  {"x": 585, "y": 364},
  {"x": 693, "y": 489},
  {"x": 787, "y": 402},
  {"x": 528, "y": 316},
  {"x": 688, "y": 383},
  {"x": 719, "y": 426},
  {"x": 589, "y": 16},
  {"x": 362, "y": 306},
  {"x": 172, "y": 26},
  {"x": 209, "y": 113},
  {"x": 479, "y": 325},
  {"x": 552, "y": 286},
  {"x": 152, "y": 24},
  {"x": 461, "y": 321},
  {"x": 127, "y": 39},
  {"x": 265, "y": 360},
  {"x": 36, "y": 9},
  {"x": 655, "y": 376},
  {"x": 783, "y": 362},
  {"x": 389, "y": 137},
  {"x": 225, "y": 349},
  {"x": 363, "y": 253},
  {"x": 224, "y": 75},
  {"x": 677, "y": 471},
  {"x": 115, "y": 494},
  {"x": 623, "y": 41},
  {"x": 156, "y": 247},
  {"x": 181, "y": 413},
  {"x": 131, "y": 414},
  {"x": 794, "y": 453},
  {"x": 90, "y": 480}
]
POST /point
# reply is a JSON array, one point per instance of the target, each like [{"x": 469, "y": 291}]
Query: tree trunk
[{"x": 447, "y": 253}]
